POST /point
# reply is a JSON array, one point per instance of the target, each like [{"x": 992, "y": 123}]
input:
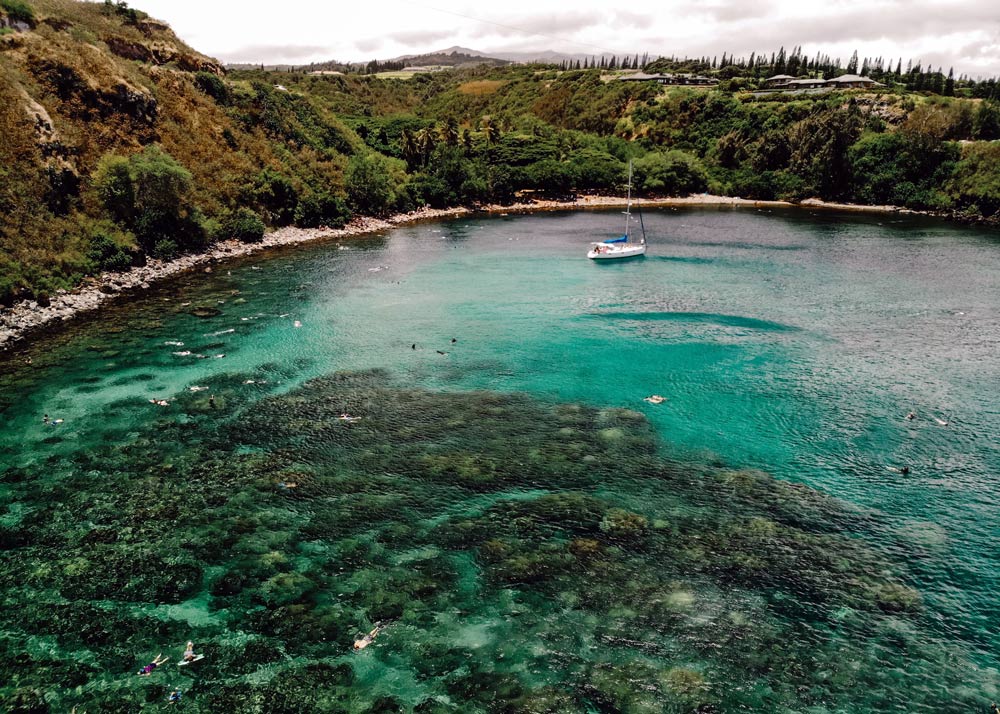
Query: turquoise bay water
[{"x": 499, "y": 378}]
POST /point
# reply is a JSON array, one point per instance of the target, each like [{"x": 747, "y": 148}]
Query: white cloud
[{"x": 960, "y": 33}]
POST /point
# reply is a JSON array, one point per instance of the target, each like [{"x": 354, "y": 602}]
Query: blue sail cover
[{"x": 623, "y": 239}]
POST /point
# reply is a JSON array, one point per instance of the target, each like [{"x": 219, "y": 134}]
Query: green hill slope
[
  {"x": 118, "y": 141},
  {"x": 89, "y": 82}
]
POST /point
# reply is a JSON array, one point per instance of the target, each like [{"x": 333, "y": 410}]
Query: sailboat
[{"x": 623, "y": 246}]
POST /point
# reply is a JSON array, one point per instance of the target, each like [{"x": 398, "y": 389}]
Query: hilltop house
[
  {"x": 777, "y": 79},
  {"x": 669, "y": 79},
  {"x": 853, "y": 81},
  {"x": 784, "y": 83}
]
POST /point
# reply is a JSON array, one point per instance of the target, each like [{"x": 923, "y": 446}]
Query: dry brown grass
[
  {"x": 481, "y": 87},
  {"x": 90, "y": 94}
]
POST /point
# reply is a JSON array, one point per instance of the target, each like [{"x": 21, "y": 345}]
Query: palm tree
[
  {"x": 449, "y": 131},
  {"x": 408, "y": 147},
  {"x": 490, "y": 129},
  {"x": 425, "y": 144}
]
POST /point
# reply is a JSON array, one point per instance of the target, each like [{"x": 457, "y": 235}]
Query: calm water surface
[{"x": 498, "y": 380}]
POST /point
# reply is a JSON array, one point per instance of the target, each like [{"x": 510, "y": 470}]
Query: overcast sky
[{"x": 964, "y": 34}]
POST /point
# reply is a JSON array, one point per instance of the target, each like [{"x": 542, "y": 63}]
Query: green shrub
[
  {"x": 432, "y": 191},
  {"x": 150, "y": 193},
  {"x": 214, "y": 86},
  {"x": 277, "y": 198},
  {"x": 320, "y": 208},
  {"x": 767, "y": 185},
  {"x": 671, "y": 173},
  {"x": 553, "y": 177},
  {"x": 129, "y": 15},
  {"x": 9, "y": 282},
  {"x": 106, "y": 254},
  {"x": 597, "y": 169},
  {"x": 18, "y": 11},
  {"x": 986, "y": 124},
  {"x": 371, "y": 187},
  {"x": 243, "y": 224},
  {"x": 975, "y": 181},
  {"x": 165, "y": 249},
  {"x": 899, "y": 169}
]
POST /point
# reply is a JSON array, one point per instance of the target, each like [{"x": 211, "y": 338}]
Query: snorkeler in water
[
  {"x": 369, "y": 638},
  {"x": 175, "y": 696},
  {"x": 148, "y": 669}
]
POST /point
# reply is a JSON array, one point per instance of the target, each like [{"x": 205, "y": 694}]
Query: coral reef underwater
[{"x": 522, "y": 556}]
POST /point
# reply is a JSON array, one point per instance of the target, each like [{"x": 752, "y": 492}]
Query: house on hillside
[
  {"x": 777, "y": 79},
  {"x": 853, "y": 81},
  {"x": 639, "y": 77},
  {"x": 847, "y": 81},
  {"x": 802, "y": 84},
  {"x": 694, "y": 79},
  {"x": 669, "y": 79}
]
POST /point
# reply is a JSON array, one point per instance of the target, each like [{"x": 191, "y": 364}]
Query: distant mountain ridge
[{"x": 454, "y": 56}]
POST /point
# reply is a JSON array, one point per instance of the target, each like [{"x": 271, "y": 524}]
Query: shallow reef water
[
  {"x": 482, "y": 528},
  {"x": 528, "y": 538}
]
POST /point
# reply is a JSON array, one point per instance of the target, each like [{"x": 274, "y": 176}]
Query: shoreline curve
[{"x": 26, "y": 317}]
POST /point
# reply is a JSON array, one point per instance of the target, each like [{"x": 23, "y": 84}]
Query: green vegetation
[
  {"x": 88, "y": 138},
  {"x": 18, "y": 11},
  {"x": 243, "y": 224},
  {"x": 149, "y": 194}
]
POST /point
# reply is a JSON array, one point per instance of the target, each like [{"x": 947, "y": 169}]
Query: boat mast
[{"x": 628, "y": 206}]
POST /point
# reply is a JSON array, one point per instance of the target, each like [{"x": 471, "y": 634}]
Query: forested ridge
[{"x": 117, "y": 141}]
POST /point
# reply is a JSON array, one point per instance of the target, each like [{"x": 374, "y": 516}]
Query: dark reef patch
[{"x": 498, "y": 538}]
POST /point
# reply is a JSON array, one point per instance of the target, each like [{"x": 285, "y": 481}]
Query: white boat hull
[
  {"x": 614, "y": 253},
  {"x": 622, "y": 247}
]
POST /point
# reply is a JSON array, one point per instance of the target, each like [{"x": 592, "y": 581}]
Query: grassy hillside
[
  {"x": 888, "y": 146},
  {"x": 90, "y": 82},
  {"x": 117, "y": 141}
]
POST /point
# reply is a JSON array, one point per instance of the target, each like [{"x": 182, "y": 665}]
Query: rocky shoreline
[{"x": 19, "y": 321}]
